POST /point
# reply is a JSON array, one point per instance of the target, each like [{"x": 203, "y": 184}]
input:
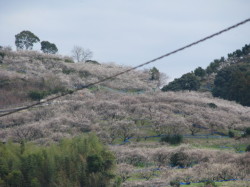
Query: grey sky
[{"x": 130, "y": 32}]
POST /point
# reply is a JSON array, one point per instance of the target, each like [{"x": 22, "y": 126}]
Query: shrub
[
  {"x": 37, "y": 95},
  {"x": 68, "y": 60},
  {"x": 92, "y": 62},
  {"x": 68, "y": 71},
  {"x": 248, "y": 148},
  {"x": 231, "y": 134},
  {"x": 210, "y": 183},
  {"x": 172, "y": 139},
  {"x": 2, "y": 55},
  {"x": 212, "y": 105},
  {"x": 175, "y": 183},
  {"x": 180, "y": 159},
  {"x": 246, "y": 132}
]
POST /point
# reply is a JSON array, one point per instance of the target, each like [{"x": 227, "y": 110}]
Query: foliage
[
  {"x": 92, "y": 62},
  {"x": 81, "y": 161},
  {"x": 175, "y": 183},
  {"x": 233, "y": 83},
  {"x": 180, "y": 159},
  {"x": 248, "y": 148},
  {"x": 239, "y": 53},
  {"x": 212, "y": 105},
  {"x": 26, "y": 40},
  {"x": 2, "y": 55},
  {"x": 231, "y": 134},
  {"x": 154, "y": 74},
  {"x": 200, "y": 72},
  {"x": 48, "y": 47},
  {"x": 172, "y": 139},
  {"x": 214, "y": 66},
  {"x": 68, "y": 60},
  {"x": 246, "y": 132},
  {"x": 210, "y": 183},
  {"x": 187, "y": 82},
  {"x": 37, "y": 94}
]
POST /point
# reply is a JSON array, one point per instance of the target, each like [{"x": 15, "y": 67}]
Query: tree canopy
[
  {"x": 155, "y": 74},
  {"x": 233, "y": 83},
  {"x": 25, "y": 40},
  {"x": 187, "y": 82},
  {"x": 48, "y": 47},
  {"x": 81, "y": 161}
]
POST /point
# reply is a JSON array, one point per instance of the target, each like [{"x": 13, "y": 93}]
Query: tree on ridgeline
[
  {"x": 48, "y": 47},
  {"x": 80, "y": 54},
  {"x": 25, "y": 40}
]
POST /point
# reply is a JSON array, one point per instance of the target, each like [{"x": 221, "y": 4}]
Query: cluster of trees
[
  {"x": 233, "y": 83},
  {"x": 187, "y": 82},
  {"x": 81, "y": 161},
  {"x": 25, "y": 40}
]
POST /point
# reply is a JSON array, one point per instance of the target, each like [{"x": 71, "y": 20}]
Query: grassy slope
[{"x": 100, "y": 108}]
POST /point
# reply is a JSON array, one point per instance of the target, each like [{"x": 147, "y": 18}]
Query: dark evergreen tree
[{"x": 48, "y": 47}]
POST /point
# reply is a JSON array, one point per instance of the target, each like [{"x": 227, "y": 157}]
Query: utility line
[{"x": 130, "y": 69}]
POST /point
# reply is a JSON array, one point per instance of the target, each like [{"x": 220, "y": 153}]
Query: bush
[
  {"x": 246, "y": 132},
  {"x": 68, "y": 60},
  {"x": 212, "y": 105},
  {"x": 172, "y": 139},
  {"x": 210, "y": 183},
  {"x": 231, "y": 134},
  {"x": 175, "y": 183},
  {"x": 37, "y": 95},
  {"x": 248, "y": 148},
  {"x": 68, "y": 71},
  {"x": 2, "y": 55},
  {"x": 180, "y": 159}
]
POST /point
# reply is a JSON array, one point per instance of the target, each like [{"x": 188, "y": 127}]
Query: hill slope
[{"x": 130, "y": 117}]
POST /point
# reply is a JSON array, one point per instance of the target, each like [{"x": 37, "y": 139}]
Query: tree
[
  {"x": 25, "y": 40},
  {"x": 48, "y": 47},
  {"x": 155, "y": 74},
  {"x": 80, "y": 54}
]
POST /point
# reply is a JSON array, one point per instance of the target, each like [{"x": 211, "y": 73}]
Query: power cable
[{"x": 130, "y": 69}]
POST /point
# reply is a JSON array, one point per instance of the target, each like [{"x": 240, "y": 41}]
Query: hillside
[
  {"x": 24, "y": 72},
  {"x": 130, "y": 117}
]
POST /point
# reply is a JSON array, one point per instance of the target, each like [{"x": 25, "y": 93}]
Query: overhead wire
[{"x": 130, "y": 69}]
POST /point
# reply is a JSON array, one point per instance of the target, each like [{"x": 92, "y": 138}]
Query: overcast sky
[{"x": 130, "y": 32}]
